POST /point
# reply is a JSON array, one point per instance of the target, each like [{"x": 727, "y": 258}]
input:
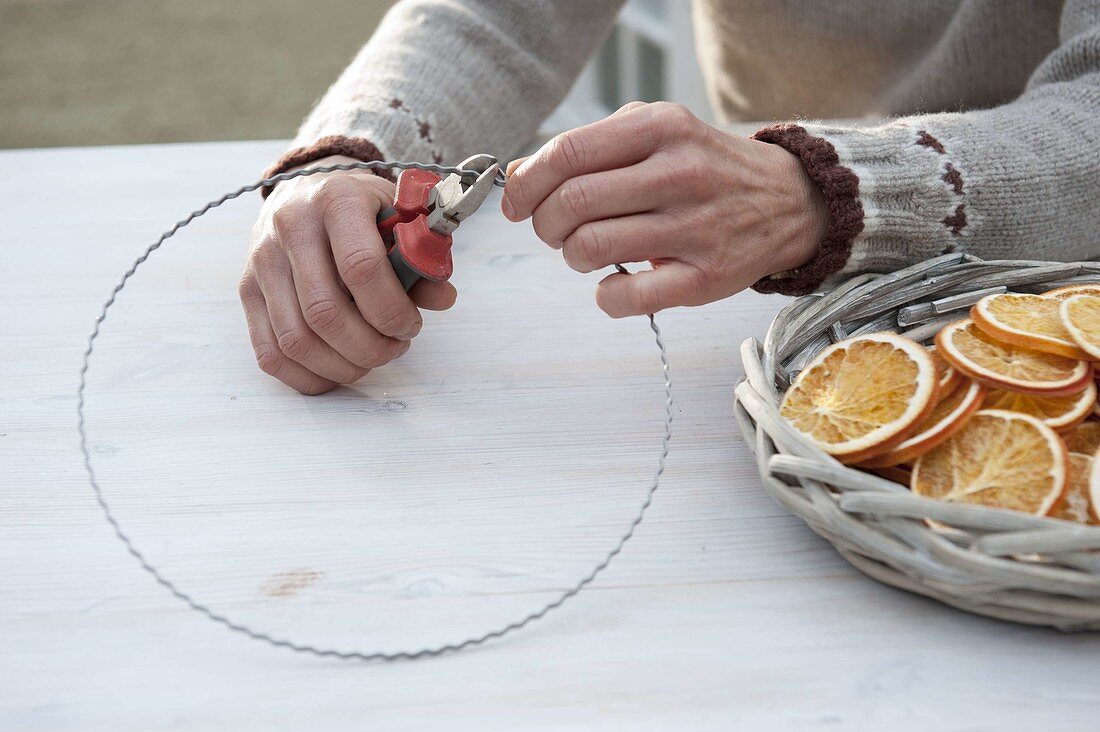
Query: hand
[
  {"x": 713, "y": 212},
  {"x": 315, "y": 247}
]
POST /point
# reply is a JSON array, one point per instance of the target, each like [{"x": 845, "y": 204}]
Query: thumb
[
  {"x": 431, "y": 295},
  {"x": 511, "y": 167}
]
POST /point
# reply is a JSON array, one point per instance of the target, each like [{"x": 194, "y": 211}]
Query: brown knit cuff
[
  {"x": 841, "y": 188},
  {"x": 352, "y": 147}
]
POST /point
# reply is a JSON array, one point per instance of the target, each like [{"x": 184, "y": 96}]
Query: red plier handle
[
  {"x": 426, "y": 209},
  {"x": 414, "y": 249}
]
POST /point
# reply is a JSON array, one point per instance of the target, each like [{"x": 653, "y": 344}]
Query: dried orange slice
[
  {"x": 1083, "y": 439},
  {"x": 1081, "y": 317},
  {"x": 1074, "y": 505},
  {"x": 1061, "y": 293},
  {"x": 1031, "y": 321},
  {"x": 947, "y": 418},
  {"x": 1000, "y": 459},
  {"x": 980, "y": 356},
  {"x": 1060, "y": 413},
  {"x": 858, "y": 397},
  {"x": 950, "y": 378}
]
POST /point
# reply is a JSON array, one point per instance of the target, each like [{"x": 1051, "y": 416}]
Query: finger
[
  {"x": 431, "y": 295},
  {"x": 594, "y": 197},
  {"x": 668, "y": 285},
  {"x": 628, "y": 106},
  {"x": 511, "y": 167},
  {"x": 326, "y": 308},
  {"x": 615, "y": 142},
  {"x": 265, "y": 345},
  {"x": 599, "y": 244},
  {"x": 295, "y": 338},
  {"x": 351, "y": 222}
]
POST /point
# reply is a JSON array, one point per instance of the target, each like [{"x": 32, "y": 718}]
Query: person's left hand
[{"x": 713, "y": 212}]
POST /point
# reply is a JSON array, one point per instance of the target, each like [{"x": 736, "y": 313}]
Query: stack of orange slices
[{"x": 1002, "y": 411}]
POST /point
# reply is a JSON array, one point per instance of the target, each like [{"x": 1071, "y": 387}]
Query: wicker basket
[{"x": 989, "y": 561}]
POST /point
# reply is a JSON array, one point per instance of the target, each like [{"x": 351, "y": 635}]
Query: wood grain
[{"x": 449, "y": 492}]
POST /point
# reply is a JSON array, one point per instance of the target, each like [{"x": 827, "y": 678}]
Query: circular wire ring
[{"x": 352, "y": 655}]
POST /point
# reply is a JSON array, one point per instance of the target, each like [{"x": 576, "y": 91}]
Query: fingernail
[
  {"x": 511, "y": 167},
  {"x": 507, "y": 209},
  {"x": 410, "y": 333}
]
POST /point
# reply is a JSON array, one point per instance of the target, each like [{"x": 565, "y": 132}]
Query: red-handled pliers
[{"x": 426, "y": 210}]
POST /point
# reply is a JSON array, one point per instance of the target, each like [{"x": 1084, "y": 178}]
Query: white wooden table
[{"x": 447, "y": 493}]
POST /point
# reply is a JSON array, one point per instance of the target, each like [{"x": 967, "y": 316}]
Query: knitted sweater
[{"x": 991, "y": 144}]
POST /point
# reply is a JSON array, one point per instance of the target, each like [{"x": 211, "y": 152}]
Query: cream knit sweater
[{"x": 992, "y": 144}]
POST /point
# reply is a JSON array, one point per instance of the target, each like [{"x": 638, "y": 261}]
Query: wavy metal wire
[{"x": 349, "y": 655}]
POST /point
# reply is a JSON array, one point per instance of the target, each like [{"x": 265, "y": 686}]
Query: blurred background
[{"x": 103, "y": 72}]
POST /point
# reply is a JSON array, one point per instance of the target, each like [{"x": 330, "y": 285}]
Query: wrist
[
  {"x": 841, "y": 211},
  {"x": 325, "y": 161},
  {"x": 288, "y": 188},
  {"x": 807, "y": 213},
  {"x": 351, "y": 148}
]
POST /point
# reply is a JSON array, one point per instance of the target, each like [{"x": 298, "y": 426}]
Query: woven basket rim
[{"x": 987, "y": 560}]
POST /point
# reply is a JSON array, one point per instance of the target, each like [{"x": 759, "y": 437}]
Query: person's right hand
[{"x": 322, "y": 302}]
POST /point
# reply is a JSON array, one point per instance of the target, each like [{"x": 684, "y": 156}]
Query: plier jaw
[
  {"x": 453, "y": 199},
  {"x": 426, "y": 210}
]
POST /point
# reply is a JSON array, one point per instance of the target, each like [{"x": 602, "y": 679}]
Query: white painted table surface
[{"x": 504, "y": 453}]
